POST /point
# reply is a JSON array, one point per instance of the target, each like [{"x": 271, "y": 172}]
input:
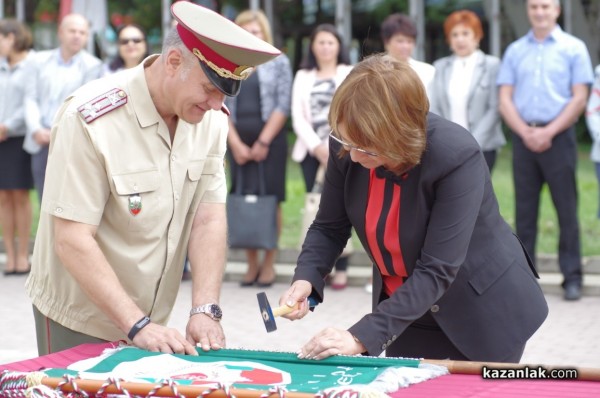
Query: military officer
[{"x": 135, "y": 182}]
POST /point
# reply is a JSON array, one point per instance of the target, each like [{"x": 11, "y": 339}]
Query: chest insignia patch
[
  {"x": 135, "y": 204},
  {"x": 102, "y": 104}
]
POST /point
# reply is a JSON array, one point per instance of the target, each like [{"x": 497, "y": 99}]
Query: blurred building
[{"x": 358, "y": 21}]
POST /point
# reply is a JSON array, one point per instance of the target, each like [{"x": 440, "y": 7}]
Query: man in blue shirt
[{"x": 543, "y": 87}]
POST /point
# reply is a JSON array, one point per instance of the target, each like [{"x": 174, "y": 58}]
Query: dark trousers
[
  {"x": 38, "y": 169},
  {"x": 310, "y": 166},
  {"x": 490, "y": 158},
  {"x": 555, "y": 167},
  {"x": 53, "y": 337}
]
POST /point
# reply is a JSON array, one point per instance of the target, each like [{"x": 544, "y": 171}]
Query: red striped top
[{"x": 382, "y": 227}]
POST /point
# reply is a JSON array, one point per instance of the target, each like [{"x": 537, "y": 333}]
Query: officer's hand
[
  {"x": 159, "y": 338},
  {"x": 203, "y": 331},
  {"x": 331, "y": 341},
  {"x": 297, "y": 296}
]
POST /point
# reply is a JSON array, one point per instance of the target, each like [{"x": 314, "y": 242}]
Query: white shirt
[
  {"x": 425, "y": 72},
  {"x": 458, "y": 88}
]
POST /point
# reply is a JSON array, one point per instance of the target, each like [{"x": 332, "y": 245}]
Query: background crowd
[{"x": 539, "y": 105}]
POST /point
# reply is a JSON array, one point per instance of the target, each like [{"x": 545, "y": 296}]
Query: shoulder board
[{"x": 102, "y": 104}]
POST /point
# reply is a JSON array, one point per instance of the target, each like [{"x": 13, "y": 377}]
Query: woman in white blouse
[
  {"x": 326, "y": 65},
  {"x": 15, "y": 164},
  {"x": 464, "y": 86}
]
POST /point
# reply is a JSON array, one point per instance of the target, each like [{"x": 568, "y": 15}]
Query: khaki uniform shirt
[{"x": 94, "y": 171}]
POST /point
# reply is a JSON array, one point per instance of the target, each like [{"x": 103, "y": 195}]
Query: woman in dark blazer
[{"x": 451, "y": 280}]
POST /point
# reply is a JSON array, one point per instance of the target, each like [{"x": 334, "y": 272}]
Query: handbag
[
  {"x": 252, "y": 219},
  {"x": 311, "y": 207}
]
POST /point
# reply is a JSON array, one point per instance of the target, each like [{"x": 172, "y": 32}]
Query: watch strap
[
  {"x": 139, "y": 325},
  {"x": 206, "y": 310}
]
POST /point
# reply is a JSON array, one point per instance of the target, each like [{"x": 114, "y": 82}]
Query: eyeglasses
[
  {"x": 349, "y": 147},
  {"x": 136, "y": 40}
]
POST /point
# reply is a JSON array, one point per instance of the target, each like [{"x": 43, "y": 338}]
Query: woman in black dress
[{"x": 257, "y": 134}]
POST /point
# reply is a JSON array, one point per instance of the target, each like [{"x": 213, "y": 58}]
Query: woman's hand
[
  {"x": 322, "y": 154},
  {"x": 241, "y": 153},
  {"x": 259, "y": 151},
  {"x": 331, "y": 341},
  {"x": 297, "y": 296}
]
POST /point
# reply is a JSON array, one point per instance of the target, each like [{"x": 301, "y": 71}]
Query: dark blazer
[{"x": 464, "y": 263}]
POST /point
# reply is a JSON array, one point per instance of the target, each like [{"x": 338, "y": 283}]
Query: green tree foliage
[{"x": 147, "y": 14}]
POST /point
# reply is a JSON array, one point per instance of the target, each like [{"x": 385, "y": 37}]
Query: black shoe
[
  {"x": 572, "y": 292},
  {"x": 244, "y": 283},
  {"x": 265, "y": 284}
]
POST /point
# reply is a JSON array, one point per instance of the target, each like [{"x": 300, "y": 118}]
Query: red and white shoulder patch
[{"x": 102, "y": 104}]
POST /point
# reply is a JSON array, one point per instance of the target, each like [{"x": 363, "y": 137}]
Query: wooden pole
[{"x": 143, "y": 389}]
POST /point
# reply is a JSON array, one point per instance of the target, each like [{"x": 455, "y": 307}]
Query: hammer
[{"x": 268, "y": 314}]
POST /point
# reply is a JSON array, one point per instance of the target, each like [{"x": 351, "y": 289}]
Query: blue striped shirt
[{"x": 543, "y": 73}]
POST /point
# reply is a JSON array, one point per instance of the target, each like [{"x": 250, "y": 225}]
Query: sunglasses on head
[{"x": 136, "y": 40}]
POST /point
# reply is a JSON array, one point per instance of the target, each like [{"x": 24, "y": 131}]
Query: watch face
[{"x": 215, "y": 310}]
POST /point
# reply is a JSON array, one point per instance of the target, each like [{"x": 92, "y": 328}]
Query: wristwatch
[{"x": 211, "y": 310}]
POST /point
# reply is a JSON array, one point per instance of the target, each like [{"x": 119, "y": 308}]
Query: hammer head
[{"x": 266, "y": 312}]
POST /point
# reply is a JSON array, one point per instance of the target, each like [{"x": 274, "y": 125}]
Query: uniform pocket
[{"x": 139, "y": 199}]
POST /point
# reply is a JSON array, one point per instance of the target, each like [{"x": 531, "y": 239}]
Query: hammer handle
[{"x": 284, "y": 309}]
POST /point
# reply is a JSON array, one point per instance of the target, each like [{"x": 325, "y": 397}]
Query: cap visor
[{"x": 229, "y": 87}]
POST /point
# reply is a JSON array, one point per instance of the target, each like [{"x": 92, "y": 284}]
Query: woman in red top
[{"x": 451, "y": 280}]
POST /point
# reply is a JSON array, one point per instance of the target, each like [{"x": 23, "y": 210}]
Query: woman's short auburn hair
[
  {"x": 463, "y": 17},
  {"x": 382, "y": 105}
]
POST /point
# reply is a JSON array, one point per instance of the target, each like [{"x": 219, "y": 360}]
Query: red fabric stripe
[
  {"x": 391, "y": 239},
  {"x": 61, "y": 359},
  {"x": 392, "y": 243},
  {"x": 192, "y": 42}
]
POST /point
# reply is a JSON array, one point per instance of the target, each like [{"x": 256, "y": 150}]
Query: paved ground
[{"x": 569, "y": 337}]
